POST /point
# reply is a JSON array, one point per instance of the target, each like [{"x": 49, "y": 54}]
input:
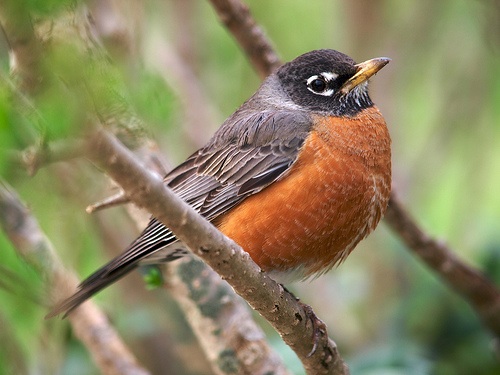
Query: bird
[{"x": 297, "y": 176}]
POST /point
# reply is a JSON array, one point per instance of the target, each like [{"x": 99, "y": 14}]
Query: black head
[{"x": 329, "y": 81}]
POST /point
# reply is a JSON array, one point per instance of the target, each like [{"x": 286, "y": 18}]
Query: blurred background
[{"x": 386, "y": 311}]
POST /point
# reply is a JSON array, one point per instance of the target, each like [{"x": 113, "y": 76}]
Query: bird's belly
[{"x": 312, "y": 218}]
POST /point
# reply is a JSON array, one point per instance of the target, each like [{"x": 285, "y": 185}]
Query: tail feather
[
  {"x": 100, "y": 280},
  {"x": 138, "y": 251}
]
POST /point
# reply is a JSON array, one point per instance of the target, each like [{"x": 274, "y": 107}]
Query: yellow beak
[{"x": 365, "y": 70}]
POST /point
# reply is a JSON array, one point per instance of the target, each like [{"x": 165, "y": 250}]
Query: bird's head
[{"x": 329, "y": 81}]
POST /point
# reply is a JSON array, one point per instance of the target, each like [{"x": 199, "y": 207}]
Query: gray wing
[{"x": 249, "y": 152}]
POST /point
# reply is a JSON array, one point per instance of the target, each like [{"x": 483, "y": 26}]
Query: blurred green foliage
[{"x": 388, "y": 313}]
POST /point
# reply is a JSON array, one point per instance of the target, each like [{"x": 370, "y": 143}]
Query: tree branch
[
  {"x": 41, "y": 154},
  {"x": 89, "y": 323},
  {"x": 221, "y": 321},
  {"x": 276, "y": 305},
  {"x": 474, "y": 287},
  {"x": 239, "y": 21}
]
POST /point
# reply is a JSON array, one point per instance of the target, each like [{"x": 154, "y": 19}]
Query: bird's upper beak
[{"x": 365, "y": 70}]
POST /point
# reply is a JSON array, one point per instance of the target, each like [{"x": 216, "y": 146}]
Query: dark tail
[
  {"x": 155, "y": 237},
  {"x": 95, "y": 283}
]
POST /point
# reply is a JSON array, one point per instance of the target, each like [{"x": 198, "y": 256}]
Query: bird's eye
[{"x": 318, "y": 85}]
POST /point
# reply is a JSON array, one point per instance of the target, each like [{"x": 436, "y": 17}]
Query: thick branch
[
  {"x": 221, "y": 321},
  {"x": 89, "y": 323},
  {"x": 477, "y": 290},
  {"x": 237, "y": 18},
  {"x": 222, "y": 254}
]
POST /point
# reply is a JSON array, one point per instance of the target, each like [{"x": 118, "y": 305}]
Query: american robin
[{"x": 297, "y": 176}]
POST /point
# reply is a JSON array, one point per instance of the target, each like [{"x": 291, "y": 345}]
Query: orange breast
[{"x": 333, "y": 196}]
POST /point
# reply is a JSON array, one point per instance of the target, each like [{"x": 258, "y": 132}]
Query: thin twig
[
  {"x": 108, "y": 202},
  {"x": 41, "y": 154},
  {"x": 474, "y": 287}
]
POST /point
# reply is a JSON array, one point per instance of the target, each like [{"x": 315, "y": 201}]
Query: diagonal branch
[
  {"x": 239, "y": 21},
  {"x": 221, "y": 321},
  {"x": 276, "y": 305},
  {"x": 89, "y": 323},
  {"x": 474, "y": 287}
]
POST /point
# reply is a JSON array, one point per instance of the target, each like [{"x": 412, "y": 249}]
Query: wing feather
[{"x": 250, "y": 151}]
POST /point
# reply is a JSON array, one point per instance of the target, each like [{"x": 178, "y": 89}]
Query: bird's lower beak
[{"x": 365, "y": 70}]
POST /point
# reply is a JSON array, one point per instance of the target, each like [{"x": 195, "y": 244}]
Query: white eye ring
[{"x": 325, "y": 76}]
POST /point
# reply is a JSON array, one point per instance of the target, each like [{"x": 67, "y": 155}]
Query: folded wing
[{"x": 249, "y": 152}]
